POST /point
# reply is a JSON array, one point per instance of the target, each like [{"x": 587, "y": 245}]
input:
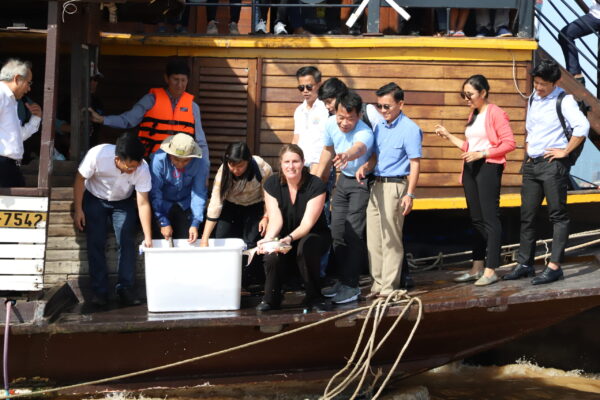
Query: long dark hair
[
  {"x": 237, "y": 152},
  {"x": 480, "y": 83},
  {"x": 292, "y": 148}
]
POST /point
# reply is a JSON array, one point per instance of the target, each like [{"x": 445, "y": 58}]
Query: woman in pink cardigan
[{"x": 488, "y": 139}]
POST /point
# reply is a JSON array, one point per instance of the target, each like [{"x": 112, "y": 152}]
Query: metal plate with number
[{"x": 22, "y": 219}]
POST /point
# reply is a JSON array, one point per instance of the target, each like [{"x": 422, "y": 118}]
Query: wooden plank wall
[{"x": 432, "y": 97}]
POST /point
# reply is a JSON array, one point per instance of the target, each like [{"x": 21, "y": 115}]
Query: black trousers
[
  {"x": 481, "y": 182},
  {"x": 238, "y": 221},
  {"x": 180, "y": 222},
  {"x": 550, "y": 179},
  {"x": 348, "y": 227},
  {"x": 11, "y": 175},
  {"x": 305, "y": 255}
]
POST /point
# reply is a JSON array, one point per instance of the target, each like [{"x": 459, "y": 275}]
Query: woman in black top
[{"x": 294, "y": 201}]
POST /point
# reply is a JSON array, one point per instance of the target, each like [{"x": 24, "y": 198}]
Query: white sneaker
[
  {"x": 233, "y": 28},
  {"x": 212, "y": 28},
  {"x": 261, "y": 27},
  {"x": 280, "y": 29}
]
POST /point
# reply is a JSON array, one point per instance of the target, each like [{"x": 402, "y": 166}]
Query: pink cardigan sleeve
[{"x": 504, "y": 141}]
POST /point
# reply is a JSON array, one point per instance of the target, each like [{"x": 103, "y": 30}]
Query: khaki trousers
[{"x": 384, "y": 235}]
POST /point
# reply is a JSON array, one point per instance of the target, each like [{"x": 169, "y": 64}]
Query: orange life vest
[{"x": 162, "y": 121}]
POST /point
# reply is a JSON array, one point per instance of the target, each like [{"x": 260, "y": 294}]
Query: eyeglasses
[
  {"x": 126, "y": 167},
  {"x": 29, "y": 83},
  {"x": 307, "y": 87},
  {"x": 384, "y": 106},
  {"x": 466, "y": 95}
]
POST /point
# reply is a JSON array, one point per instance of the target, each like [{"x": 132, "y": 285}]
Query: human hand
[
  {"x": 551, "y": 154},
  {"x": 95, "y": 117},
  {"x": 441, "y": 131},
  {"x": 361, "y": 174},
  {"x": 471, "y": 156},
  {"x": 79, "y": 219},
  {"x": 34, "y": 109},
  {"x": 193, "y": 234},
  {"x": 203, "y": 242},
  {"x": 166, "y": 231},
  {"x": 148, "y": 241},
  {"x": 262, "y": 226},
  {"x": 259, "y": 245},
  {"x": 407, "y": 204},
  {"x": 340, "y": 161}
]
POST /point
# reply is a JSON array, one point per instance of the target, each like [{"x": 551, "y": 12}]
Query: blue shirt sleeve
[
  {"x": 329, "y": 125},
  {"x": 366, "y": 137},
  {"x": 157, "y": 170},
  {"x": 133, "y": 117},
  {"x": 413, "y": 142},
  {"x": 199, "y": 194},
  {"x": 200, "y": 136}
]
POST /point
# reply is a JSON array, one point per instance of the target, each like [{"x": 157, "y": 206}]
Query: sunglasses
[
  {"x": 466, "y": 95},
  {"x": 384, "y": 106},
  {"x": 307, "y": 87}
]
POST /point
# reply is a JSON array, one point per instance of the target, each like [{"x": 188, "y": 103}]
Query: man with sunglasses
[
  {"x": 395, "y": 164},
  {"x": 103, "y": 189},
  {"x": 310, "y": 117},
  {"x": 15, "y": 82},
  {"x": 348, "y": 143}
]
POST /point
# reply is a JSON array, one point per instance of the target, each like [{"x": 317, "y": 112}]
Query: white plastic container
[{"x": 187, "y": 277}]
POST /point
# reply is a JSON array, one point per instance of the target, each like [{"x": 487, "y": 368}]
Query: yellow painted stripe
[
  {"x": 319, "y": 41},
  {"x": 506, "y": 200}
]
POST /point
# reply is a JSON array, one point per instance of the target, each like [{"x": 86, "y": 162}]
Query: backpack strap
[
  {"x": 561, "y": 117},
  {"x": 365, "y": 116},
  {"x": 256, "y": 170}
]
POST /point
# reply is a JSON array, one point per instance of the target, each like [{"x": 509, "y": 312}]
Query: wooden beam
[
  {"x": 50, "y": 94},
  {"x": 257, "y": 106}
]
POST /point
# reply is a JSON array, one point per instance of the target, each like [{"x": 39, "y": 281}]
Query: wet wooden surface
[{"x": 435, "y": 288}]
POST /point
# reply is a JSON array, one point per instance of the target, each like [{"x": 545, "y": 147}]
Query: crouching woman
[{"x": 294, "y": 201}]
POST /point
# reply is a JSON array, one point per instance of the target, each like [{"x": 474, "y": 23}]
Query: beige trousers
[{"x": 384, "y": 235}]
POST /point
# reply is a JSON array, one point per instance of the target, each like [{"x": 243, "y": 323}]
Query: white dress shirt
[
  {"x": 12, "y": 134},
  {"x": 105, "y": 181},
  {"x": 309, "y": 125},
  {"x": 544, "y": 130}
]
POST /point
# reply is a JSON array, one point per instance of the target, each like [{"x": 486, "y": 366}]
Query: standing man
[
  {"x": 15, "y": 82},
  {"x": 310, "y": 117},
  {"x": 103, "y": 188},
  {"x": 546, "y": 169},
  {"x": 178, "y": 192},
  {"x": 395, "y": 163},
  {"x": 348, "y": 143},
  {"x": 163, "y": 112}
]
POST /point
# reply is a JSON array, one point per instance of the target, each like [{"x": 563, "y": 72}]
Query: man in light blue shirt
[
  {"x": 395, "y": 164},
  {"x": 179, "y": 190},
  {"x": 348, "y": 142},
  {"x": 546, "y": 170}
]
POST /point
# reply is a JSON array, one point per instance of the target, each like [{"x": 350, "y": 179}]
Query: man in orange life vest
[{"x": 163, "y": 112}]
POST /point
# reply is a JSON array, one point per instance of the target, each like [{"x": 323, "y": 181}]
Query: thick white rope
[{"x": 362, "y": 366}]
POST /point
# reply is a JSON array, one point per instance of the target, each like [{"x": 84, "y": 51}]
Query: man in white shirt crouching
[{"x": 103, "y": 188}]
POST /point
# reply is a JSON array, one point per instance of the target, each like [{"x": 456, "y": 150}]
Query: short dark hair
[
  {"x": 351, "y": 101},
  {"x": 310, "y": 70},
  {"x": 332, "y": 88},
  {"x": 392, "y": 88},
  {"x": 129, "y": 147},
  {"x": 548, "y": 70},
  {"x": 177, "y": 66}
]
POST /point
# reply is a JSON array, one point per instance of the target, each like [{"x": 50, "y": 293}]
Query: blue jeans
[
  {"x": 576, "y": 29},
  {"x": 123, "y": 214}
]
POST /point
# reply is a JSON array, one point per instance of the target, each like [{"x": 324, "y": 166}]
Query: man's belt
[
  {"x": 391, "y": 179},
  {"x": 536, "y": 160}
]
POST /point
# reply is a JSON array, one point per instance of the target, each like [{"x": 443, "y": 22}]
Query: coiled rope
[{"x": 380, "y": 306}]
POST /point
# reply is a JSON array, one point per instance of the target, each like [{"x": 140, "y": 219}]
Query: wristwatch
[{"x": 411, "y": 195}]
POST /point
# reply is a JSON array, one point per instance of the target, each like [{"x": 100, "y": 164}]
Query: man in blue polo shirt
[
  {"x": 546, "y": 170},
  {"x": 395, "y": 163},
  {"x": 348, "y": 142}
]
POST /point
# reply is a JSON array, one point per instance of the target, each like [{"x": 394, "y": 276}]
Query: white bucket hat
[{"x": 181, "y": 145}]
